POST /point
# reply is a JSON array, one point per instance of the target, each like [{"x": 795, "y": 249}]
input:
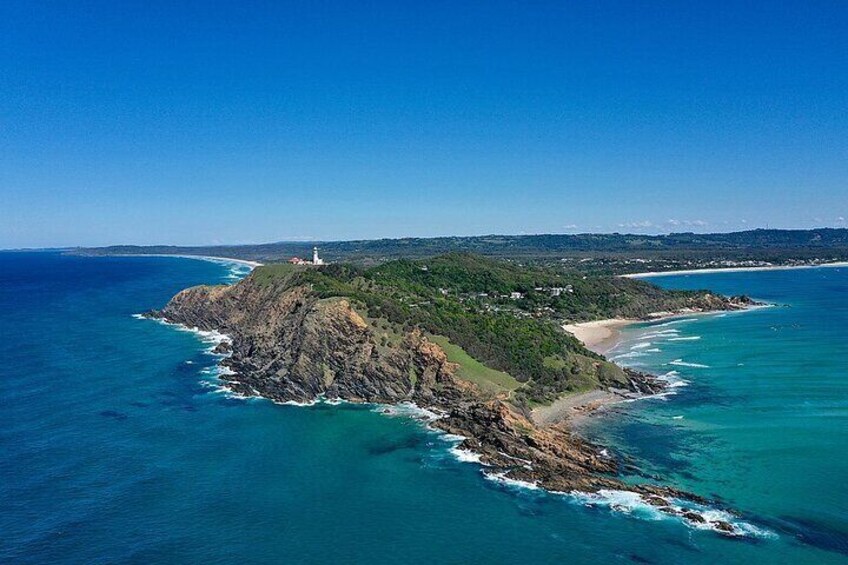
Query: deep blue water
[{"x": 117, "y": 447}]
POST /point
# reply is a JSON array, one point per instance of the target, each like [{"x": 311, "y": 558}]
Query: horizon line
[{"x": 402, "y": 238}]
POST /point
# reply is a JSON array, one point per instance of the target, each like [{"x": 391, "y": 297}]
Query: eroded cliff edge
[{"x": 290, "y": 344}]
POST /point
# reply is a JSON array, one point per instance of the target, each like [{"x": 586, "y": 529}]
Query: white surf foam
[
  {"x": 634, "y": 504},
  {"x": 630, "y": 355},
  {"x": 673, "y": 380},
  {"x": 689, "y": 338},
  {"x": 622, "y": 501},
  {"x": 675, "y": 322},
  {"x": 296, "y": 403},
  {"x": 503, "y": 479},
  {"x": 213, "y": 339},
  {"x": 335, "y": 401},
  {"x": 407, "y": 410},
  {"x": 682, "y": 363},
  {"x": 665, "y": 334},
  {"x": 465, "y": 455}
]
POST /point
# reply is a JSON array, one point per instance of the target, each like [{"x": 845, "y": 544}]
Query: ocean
[{"x": 119, "y": 445}]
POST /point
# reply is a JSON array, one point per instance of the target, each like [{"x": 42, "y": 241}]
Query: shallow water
[
  {"x": 760, "y": 414},
  {"x": 118, "y": 448}
]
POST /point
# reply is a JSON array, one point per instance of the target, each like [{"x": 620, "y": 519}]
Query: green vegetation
[
  {"x": 501, "y": 340},
  {"x": 597, "y": 253},
  {"x": 472, "y": 370},
  {"x": 276, "y": 273}
]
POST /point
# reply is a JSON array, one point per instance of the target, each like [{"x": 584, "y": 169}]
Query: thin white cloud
[
  {"x": 697, "y": 223},
  {"x": 637, "y": 225},
  {"x": 296, "y": 238}
]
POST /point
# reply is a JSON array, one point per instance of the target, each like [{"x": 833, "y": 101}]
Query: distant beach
[
  {"x": 212, "y": 258},
  {"x": 730, "y": 270}
]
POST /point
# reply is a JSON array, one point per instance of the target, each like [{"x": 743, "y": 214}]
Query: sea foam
[
  {"x": 635, "y": 505},
  {"x": 212, "y": 339},
  {"x": 502, "y": 478},
  {"x": 673, "y": 380},
  {"x": 674, "y": 322},
  {"x": 682, "y": 363},
  {"x": 465, "y": 455}
]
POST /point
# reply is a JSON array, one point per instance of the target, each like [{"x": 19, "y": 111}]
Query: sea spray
[{"x": 693, "y": 515}]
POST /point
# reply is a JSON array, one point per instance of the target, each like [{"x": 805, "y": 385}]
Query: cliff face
[{"x": 288, "y": 345}]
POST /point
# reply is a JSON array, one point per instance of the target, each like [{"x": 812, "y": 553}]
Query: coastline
[
  {"x": 211, "y": 258},
  {"x": 650, "y": 274},
  {"x": 573, "y": 409},
  {"x": 513, "y": 448},
  {"x": 599, "y": 335}
]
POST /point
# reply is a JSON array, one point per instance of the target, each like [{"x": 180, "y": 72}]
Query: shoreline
[
  {"x": 210, "y": 258},
  {"x": 712, "y": 270},
  {"x": 599, "y": 336},
  {"x": 575, "y": 409},
  {"x": 510, "y": 446}
]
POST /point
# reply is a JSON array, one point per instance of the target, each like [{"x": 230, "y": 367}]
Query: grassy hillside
[{"x": 472, "y": 370}]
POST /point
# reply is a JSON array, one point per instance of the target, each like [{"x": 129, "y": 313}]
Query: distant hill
[{"x": 599, "y": 252}]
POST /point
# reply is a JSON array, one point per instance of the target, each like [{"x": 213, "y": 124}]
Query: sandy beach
[
  {"x": 599, "y": 335},
  {"x": 730, "y": 270},
  {"x": 251, "y": 264},
  {"x": 575, "y": 407}
]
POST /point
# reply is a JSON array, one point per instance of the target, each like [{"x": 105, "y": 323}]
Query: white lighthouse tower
[{"x": 315, "y": 259}]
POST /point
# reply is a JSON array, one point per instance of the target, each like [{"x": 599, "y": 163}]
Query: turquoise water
[
  {"x": 118, "y": 447},
  {"x": 762, "y": 420}
]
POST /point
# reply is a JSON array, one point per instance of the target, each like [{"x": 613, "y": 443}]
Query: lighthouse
[{"x": 315, "y": 259}]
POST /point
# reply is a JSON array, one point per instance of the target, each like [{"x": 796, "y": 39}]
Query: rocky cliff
[{"x": 289, "y": 345}]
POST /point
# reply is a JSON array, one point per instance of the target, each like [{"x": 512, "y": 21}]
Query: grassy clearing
[
  {"x": 472, "y": 370},
  {"x": 555, "y": 362},
  {"x": 274, "y": 273}
]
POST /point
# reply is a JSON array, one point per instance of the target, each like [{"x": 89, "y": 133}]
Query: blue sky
[{"x": 263, "y": 121}]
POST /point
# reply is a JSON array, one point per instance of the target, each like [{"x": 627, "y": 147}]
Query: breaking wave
[
  {"x": 503, "y": 479},
  {"x": 693, "y": 515},
  {"x": 682, "y": 363}
]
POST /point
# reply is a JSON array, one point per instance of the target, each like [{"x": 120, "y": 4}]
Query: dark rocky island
[{"x": 402, "y": 332}]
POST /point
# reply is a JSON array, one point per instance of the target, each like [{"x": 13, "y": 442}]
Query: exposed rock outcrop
[{"x": 288, "y": 345}]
